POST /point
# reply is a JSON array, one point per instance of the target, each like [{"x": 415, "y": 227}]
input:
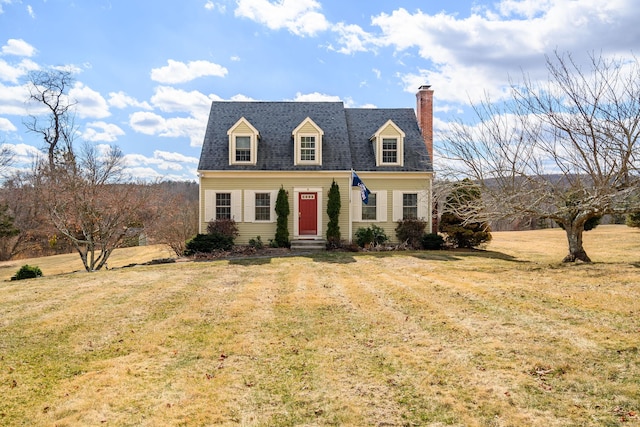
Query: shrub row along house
[{"x": 252, "y": 149}]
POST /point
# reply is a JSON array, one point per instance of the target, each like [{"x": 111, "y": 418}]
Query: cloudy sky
[{"x": 145, "y": 72}]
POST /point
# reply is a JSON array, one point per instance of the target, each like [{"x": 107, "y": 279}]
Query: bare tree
[
  {"x": 48, "y": 90},
  {"x": 91, "y": 203},
  {"x": 566, "y": 150},
  {"x": 176, "y": 220},
  {"x": 6, "y": 159},
  {"x": 36, "y": 235}
]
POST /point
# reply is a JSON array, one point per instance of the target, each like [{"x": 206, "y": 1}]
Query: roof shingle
[{"x": 345, "y": 144}]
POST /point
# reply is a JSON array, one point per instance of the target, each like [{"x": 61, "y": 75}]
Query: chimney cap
[{"x": 425, "y": 87}]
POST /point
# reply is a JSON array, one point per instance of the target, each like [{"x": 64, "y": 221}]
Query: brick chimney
[{"x": 424, "y": 113}]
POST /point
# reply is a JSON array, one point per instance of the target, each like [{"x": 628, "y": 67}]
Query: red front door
[{"x": 308, "y": 214}]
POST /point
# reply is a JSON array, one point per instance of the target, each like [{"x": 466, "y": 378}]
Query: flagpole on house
[{"x": 350, "y": 204}]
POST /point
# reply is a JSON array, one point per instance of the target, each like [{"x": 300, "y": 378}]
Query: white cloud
[
  {"x": 176, "y": 127},
  {"x": 90, "y": 103},
  {"x": 169, "y": 99},
  {"x": 23, "y": 154},
  {"x": 71, "y": 68},
  {"x": 316, "y": 97},
  {"x": 467, "y": 56},
  {"x": 6, "y": 125},
  {"x": 12, "y": 73},
  {"x": 174, "y": 157},
  {"x": 353, "y": 39},
  {"x": 210, "y": 5},
  {"x": 102, "y": 132},
  {"x": 179, "y": 72},
  {"x": 12, "y": 100},
  {"x": 147, "y": 123},
  {"x": 300, "y": 17},
  {"x": 122, "y": 100},
  {"x": 242, "y": 98},
  {"x": 31, "y": 12},
  {"x": 148, "y": 167},
  {"x": 18, "y": 47}
]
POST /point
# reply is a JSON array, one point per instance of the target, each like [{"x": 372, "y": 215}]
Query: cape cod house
[{"x": 252, "y": 149}]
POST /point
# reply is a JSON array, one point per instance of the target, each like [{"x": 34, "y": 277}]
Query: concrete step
[{"x": 308, "y": 245}]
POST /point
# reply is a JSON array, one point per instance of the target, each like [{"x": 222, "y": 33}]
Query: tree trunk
[{"x": 576, "y": 251}]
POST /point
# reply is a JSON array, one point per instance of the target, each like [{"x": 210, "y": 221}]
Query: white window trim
[
  {"x": 381, "y": 206},
  {"x": 297, "y": 140},
  {"x": 423, "y": 204},
  {"x": 250, "y": 205},
  {"x": 254, "y": 136},
  {"x": 377, "y": 141},
  {"x": 210, "y": 204}
]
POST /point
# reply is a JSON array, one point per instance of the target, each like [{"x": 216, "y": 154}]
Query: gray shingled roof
[{"x": 345, "y": 144}]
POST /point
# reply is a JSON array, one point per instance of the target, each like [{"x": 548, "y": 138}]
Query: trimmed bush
[
  {"x": 371, "y": 235},
  {"x": 256, "y": 243},
  {"x": 633, "y": 220},
  {"x": 411, "y": 231},
  {"x": 207, "y": 243},
  {"x": 225, "y": 227},
  {"x": 27, "y": 272},
  {"x": 282, "y": 211},
  {"x": 333, "y": 211},
  {"x": 432, "y": 241}
]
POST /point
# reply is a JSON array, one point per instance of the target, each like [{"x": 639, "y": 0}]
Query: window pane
[
  {"x": 410, "y": 206},
  {"x": 263, "y": 206},
  {"x": 389, "y": 150},
  {"x": 223, "y": 205},
  {"x": 308, "y": 148},
  {"x": 369, "y": 210},
  {"x": 243, "y": 149}
]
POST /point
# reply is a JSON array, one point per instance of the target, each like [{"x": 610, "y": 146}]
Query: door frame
[{"x": 296, "y": 209}]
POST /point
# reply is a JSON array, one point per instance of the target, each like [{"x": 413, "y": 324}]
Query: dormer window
[
  {"x": 307, "y": 138},
  {"x": 390, "y": 150},
  {"x": 243, "y": 148},
  {"x": 388, "y": 145},
  {"x": 243, "y": 143},
  {"x": 308, "y": 148}
]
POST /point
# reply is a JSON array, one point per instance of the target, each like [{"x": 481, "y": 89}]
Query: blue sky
[{"x": 146, "y": 72}]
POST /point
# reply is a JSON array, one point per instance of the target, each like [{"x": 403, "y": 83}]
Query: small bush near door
[{"x": 372, "y": 235}]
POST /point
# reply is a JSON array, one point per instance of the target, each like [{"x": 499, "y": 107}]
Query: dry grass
[{"x": 505, "y": 337}]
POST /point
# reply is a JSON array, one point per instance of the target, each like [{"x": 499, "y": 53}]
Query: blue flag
[{"x": 357, "y": 182}]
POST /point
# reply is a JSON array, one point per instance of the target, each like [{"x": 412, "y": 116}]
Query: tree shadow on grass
[
  {"x": 340, "y": 257},
  {"x": 460, "y": 254},
  {"x": 249, "y": 261}
]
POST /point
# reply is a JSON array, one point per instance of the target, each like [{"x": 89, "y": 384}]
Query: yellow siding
[
  {"x": 390, "y": 131},
  {"x": 242, "y": 128},
  {"x": 404, "y": 183},
  {"x": 376, "y": 181},
  {"x": 266, "y": 182},
  {"x": 308, "y": 128}
]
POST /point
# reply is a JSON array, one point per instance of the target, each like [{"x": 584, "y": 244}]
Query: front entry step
[{"x": 308, "y": 245}]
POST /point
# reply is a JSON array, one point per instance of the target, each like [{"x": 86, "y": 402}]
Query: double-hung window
[
  {"x": 308, "y": 148},
  {"x": 389, "y": 150},
  {"x": 223, "y": 205},
  {"x": 243, "y": 148},
  {"x": 369, "y": 210},
  {"x": 263, "y": 207},
  {"x": 409, "y": 206}
]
